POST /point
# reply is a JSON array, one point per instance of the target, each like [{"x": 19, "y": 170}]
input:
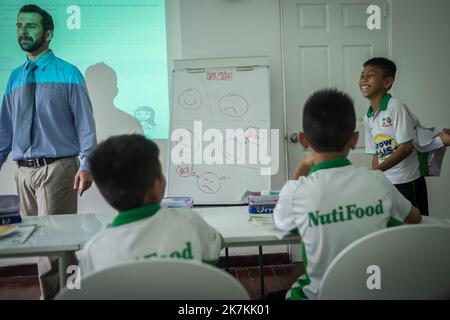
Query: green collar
[
  {"x": 133, "y": 215},
  {"x": 383, "y": 105},
  {"x": 332, "y": 163}
]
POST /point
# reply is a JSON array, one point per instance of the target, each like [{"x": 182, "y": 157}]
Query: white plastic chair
[
  {"x": 413, "y": 262},
  {"x": 165, "y": 279}
]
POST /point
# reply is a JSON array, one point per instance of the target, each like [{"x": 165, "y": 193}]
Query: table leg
[
  {"x": 261, "y": 272},
  {"x": 62, "y": 264},
  {"x": 226, "y": 260}
]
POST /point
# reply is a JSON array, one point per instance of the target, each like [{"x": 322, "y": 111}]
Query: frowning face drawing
[
  {"x": 209, "y": 182},
  {"x": 233, "y": 105}
]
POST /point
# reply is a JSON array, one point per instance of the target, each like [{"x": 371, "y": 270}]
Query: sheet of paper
[
  {"x": 424, "y": 136},
  {"x": 20, "y": 236},
  {"x": 266, "y": 222}
]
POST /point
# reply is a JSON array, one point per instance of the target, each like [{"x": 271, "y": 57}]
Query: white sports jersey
[
  {"x": 335, "y": 205},
  {"x": 150, "y": 232},
  {"x": 386, "y": 129}
]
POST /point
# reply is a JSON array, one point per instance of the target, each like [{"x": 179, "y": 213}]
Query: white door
[{"x": 325, "y": 44}]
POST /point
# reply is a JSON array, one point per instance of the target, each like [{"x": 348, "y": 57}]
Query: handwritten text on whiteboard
[{"x": 219, "y": 75}]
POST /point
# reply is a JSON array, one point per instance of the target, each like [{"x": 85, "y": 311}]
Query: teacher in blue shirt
[{"x": 46, "y": 122}]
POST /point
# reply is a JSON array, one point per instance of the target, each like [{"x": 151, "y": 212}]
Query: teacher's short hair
[
  {"x": 47, "y": 20},
  {"x": 124, "y": 167}
]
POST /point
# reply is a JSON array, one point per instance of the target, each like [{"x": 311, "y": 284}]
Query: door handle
[{"x": 294, "y": 138}]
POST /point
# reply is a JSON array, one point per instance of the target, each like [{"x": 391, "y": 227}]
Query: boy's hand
[
  {"x": 304, "y": 166},
  {"x": 309, "y": 160}
]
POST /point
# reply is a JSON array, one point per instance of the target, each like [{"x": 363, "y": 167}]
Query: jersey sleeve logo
[{"x": 385, "y": 146}]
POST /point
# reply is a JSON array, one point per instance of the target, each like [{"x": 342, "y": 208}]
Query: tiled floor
[
  {"x": 277, "y": 277},
  {"x": 19, "y": 288}
]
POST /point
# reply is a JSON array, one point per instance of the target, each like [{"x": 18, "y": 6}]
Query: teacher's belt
[{"x": 38, "y": 162}]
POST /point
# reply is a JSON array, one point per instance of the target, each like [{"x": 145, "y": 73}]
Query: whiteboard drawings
[
  {"x": 233, "y": 150},
  {"x": 233, "y": 105},
  {"x": 190, "y": 99},
  {"x": 253, "y": 136},
  {"x": 209, "y": 182},
  {"x": 228, "y": 101}
]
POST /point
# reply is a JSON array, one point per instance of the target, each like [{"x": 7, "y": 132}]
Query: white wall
[
  {"x": 227, "y": 28},
  {"x": 421, "y": 50},
  {"x": 234, "y": 28}
]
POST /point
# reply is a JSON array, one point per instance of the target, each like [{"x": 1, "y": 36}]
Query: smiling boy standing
[{"x": 390, "y": 129}]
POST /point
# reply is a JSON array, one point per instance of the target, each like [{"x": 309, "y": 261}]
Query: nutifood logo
[
  {"x": 386, "y": 122},
  {"x": 344, "y": 213},
  {"x": 385, "y": 146}
]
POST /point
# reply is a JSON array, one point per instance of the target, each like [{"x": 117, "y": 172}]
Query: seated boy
[
  {"x": 128, "y": 174},
  {"x": 329, "y": 201},
  {"x": 391, "y": 134}
]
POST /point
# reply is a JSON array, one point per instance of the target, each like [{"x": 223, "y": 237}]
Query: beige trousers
[{"x": 48, "y": 190}]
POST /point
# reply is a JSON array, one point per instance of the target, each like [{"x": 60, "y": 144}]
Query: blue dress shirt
[{"x": 63, "y": 124}]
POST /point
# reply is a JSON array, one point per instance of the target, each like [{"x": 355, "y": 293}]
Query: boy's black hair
[
  {"x": 328, "y": 120},
  {"x": 124, "y": 167},
  {"x": 47, "y": 20},
  {"x": 388, "y": 66}
]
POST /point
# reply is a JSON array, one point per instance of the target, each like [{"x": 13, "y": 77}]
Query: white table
[
  {"x": 58, "y": 235},
  {"x": 237, "y": 231},
  {"x": 61, "y": 235}
]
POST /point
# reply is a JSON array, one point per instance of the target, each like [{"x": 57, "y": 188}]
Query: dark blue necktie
[{"x": 27, "y": 109}]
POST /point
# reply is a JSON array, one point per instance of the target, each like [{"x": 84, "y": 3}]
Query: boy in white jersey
[
  {"x": 128, "y": 174},
  {"x": 390, "y": 132},
  {"x": 328, "y": 200}
]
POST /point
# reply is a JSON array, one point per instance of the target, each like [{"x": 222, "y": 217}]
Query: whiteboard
[{"x": 221, "y": 94}]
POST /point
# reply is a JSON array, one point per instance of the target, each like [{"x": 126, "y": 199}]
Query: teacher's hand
[{"x": 83, "y": 181}]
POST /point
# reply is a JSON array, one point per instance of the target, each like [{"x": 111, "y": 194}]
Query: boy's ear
[
  {"x": 388, "y": 82},
  {"x": 302, "y": 140},
  {"x": 156, "y": 191},
  {"x": 353, "y": 140}
]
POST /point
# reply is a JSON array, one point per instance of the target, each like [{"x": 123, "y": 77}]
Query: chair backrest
[
  {"x": 168, "y": 279},
  {"x": 406, "y": 262}
]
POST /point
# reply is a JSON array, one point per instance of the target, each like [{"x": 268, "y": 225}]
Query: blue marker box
[
  {"x": 261, "y": 208},
  {"x": 9, "y": 209},
  {"x": 177, "y": 202}
]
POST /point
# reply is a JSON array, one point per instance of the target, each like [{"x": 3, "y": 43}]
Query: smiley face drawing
[
  {"x": 209, "y": 182},
  {"x": 233, "y": 105},
  {"x": 190, "y": 99}
]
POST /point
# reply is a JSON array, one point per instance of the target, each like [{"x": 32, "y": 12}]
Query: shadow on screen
[{"x": 101, "y": 81}]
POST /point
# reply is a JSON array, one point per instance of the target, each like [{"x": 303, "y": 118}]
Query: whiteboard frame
[{"x": 200, "y": 66}]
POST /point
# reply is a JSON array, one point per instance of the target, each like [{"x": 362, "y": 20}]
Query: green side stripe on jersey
[
  {"x": 393, "y": 223},
  {"x": 211, "y": 262},
  {"x": 133, "y": 215},
  {"x": 405, "y": 142},
  {"x": 423, "y": 163},
  {"x": 296, "y": 293},
  {"x": 332, "y": 163}
]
